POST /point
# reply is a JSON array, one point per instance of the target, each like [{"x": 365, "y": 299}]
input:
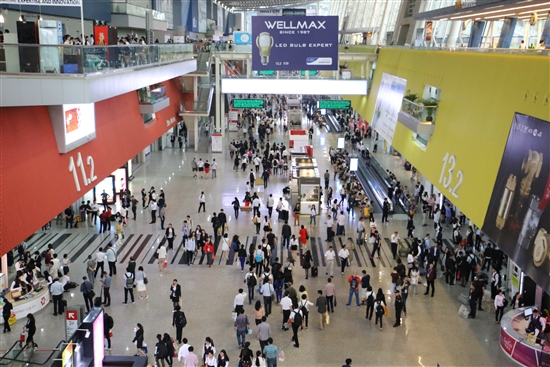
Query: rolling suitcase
[{"x": 314, "y": 272}]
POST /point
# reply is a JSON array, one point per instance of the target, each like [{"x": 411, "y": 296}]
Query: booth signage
[
  {"x": 295, "y": 43},
  {"x": 518, "y": 216},
  {"x": 71, "y": 322},
  {"x": 334, "y": 103},
  {"x": 248, "y": 103}
]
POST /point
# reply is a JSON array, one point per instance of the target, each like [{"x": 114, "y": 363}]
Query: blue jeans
[
  {"x": 351, "y": 293},
  {"x": 312, "y": 219},
  {"x": 271, "y": 362},
  {"x": 241, "y": 337}
]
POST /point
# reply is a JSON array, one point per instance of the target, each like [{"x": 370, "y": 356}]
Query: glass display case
[{"x": 303, "y": 162}]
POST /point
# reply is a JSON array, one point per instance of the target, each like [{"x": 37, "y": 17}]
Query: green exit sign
[
  {"x": 248, "y": 103},
  {"x": 334, "y": 103}
]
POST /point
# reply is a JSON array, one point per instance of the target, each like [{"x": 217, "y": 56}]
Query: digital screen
[
  {"x": 341, "y": 143},
  {"x": 73, "y": 125},
  {"x": 67, "y": 355},
  {"x": 79, "y": 121},
  {"x": 353, "y": 164},
  {"x": 333, "y": 103},
  {"x": 108, "y": 184},
  {"x": 120, "y": 179},
  {"x": 99, "y": 340},
  {"x": 248, "y": 103}
]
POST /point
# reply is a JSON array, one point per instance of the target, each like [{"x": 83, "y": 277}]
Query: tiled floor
[{"x": 432, "y": 332}]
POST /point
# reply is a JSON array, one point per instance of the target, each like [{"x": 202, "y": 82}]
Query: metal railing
[
  {"x": 88, "y": 60},
  {"x": 515, "y": 51},
  {"x": 19, "y": 355}
]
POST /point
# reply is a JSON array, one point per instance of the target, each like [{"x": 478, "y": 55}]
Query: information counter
[
  {"x": 513, "y": 341},
  {"x": 305, "y": 186},
  {"x": 304, "y": 162},
  {"x": 32, "y": 303}
]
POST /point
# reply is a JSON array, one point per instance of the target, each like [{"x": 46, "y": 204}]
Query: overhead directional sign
[
  {"x": 334, "y": 103},
  {"x": 248, "y": 103}
]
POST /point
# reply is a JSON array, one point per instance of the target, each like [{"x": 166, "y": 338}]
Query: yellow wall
[{"x": 480, "y": 93}]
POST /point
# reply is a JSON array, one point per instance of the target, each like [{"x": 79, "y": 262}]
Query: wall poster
[{"x": 388, "y": 104}]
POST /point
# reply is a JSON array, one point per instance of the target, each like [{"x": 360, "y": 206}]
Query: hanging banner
[
  {"x": 388, "y": 104},
  {"x": 43, "y": 2},
  {"x": 518, "y": 216},
  {"x": 429, "y": 31},
  {"x": 295, "y": 43}
]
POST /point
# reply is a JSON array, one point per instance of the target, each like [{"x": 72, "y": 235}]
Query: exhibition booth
[
  {"x": 517, "y": 344},
  {"x": 31, "y": 302}
]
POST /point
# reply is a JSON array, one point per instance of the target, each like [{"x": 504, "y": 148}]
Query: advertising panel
[
  {"x": 295, "y": 43},
  {"x": 429, "y": 31},
  {"x": 202, "y": 16},
  {"x": 67, "y": 355},
  {"x": 388, "y": 104},
  {"x": 73, "y": 124},
  {"x": 507, "y": 342},
  {"x": 518, "y": 218},
  {"x": 242, "y": 38},
  {"x": 99, "y": 340}
]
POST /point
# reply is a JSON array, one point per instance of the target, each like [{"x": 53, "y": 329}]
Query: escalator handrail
[
  {"x": 377, "y": 168},
  {"x": 29, "y": 363}
]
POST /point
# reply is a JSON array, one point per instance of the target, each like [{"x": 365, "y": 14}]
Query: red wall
[{"x": 35, "y": 182}]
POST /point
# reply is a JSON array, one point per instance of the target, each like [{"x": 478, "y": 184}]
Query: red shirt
[
  {"x": 208, "y": 247},
  {"x": 303, "y": 235}
]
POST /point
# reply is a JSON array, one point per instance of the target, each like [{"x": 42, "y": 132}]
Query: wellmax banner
[
  {"x": 518, "y": 216},
  {"x": 295, "y": 43}
]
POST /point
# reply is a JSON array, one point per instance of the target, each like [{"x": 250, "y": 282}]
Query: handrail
[{"x": 55, "y": 350}]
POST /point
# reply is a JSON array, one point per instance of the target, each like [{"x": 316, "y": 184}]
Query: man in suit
[
  {"x": 222, "y": 220},
  {"x": 286, "y": 232},
  {"x": 434, "y": 254}
]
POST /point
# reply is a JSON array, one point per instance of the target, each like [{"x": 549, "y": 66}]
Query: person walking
[
  {"x": 241, "y": 327},
  {"x": 322, "y": 309},
  {"x": 202, "y": 203},
  {"x": 297, "y": 318},
  {"x": 190, "y": 248},
  {"x": 110, "y": 254},
  {"x": 343, "y": 254},
  {"x": 179, "y": 321},
  {"x": 161, "y": 255},
  {"x": 500, "y": 304},
  {"x": 267, "y": 291},
  {"x": 271, "y": 353},
  {"x": 286, "y": 308},
  {"x": 263, "y": 332},
  {"x": 30, "y": 329},
  {"x": 106, "y": 286},
  {"x": 430, "y": 278},
  {"x": 214, "y": 168},
  {"x": 6, "y": 314},
  {"x": 100, "y": 261},
  {"x": 175, "y": 293},
  {"x": 161, "y": 351},
  {"x": 354, "y": 282},
  {"x": 170, "y": 235},
  {"x": 394, "y": 240},
  {"x": 87, "y": 290},
  {"x": 379, "y": 307},
  {"x": 154, "y": 206},
  {"x": 329, "y": 260},
  {"x": 128, "y": 286},
  {"x": 330, "y": 293},
  {"x": 398, "y": 303},
  {"x": 141, "y": 279}
]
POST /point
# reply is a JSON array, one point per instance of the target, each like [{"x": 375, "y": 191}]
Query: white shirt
[
  {"x": 329, "y": 255},
  {"x": 395, "y": 238},
  {"x": 267, "y": 289},
  {"x": 201, "y": 198},
  {"x": 341, "y": 220},
  {"x": 410, "y": 258},
  {"x": 330, "y": 222},
  {"x": 343, "y": 253},
  {"x": 499, "y": 298},
  {"x": 214, "y": 165},
  {"x": 162, "y": 252},
  {"x": 270, "y": 202},
  {"x": 154, "y": 206},
  {"x": 183, "y": 352},
  {"x": 286, "y": 303},
  {"x": 256, "y": 202},
  {"x": 239, "y": 299}
]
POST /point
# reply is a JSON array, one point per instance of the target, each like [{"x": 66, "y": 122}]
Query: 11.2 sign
[{"x": 80, "y": 164}]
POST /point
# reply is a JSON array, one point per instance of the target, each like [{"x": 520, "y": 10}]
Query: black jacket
[{"x": 286, "y": 231}]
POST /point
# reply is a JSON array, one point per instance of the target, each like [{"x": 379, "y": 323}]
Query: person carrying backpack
[
  {"x": 354, "y": 282},
  {"x": 379, "y": 307},
  {"x": 251, "y": 281},
  {"x": 297, "y": 319},
  {"x": 161, "y": 351},
  {"x": 128, "y": 286},
  {"x": 178, "y": 321},
  {"x": 370, "y": 303}
]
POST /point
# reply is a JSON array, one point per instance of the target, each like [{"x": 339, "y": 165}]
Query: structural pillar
[
  {"x": 545, "y": 32},
  {"x": 221, "y": 126},
  {"x": 196, "y": 132},
  {"x": 526, "y": 30},
  {"x": 507, "y": 32},
  {"x": 217, "y": 90},
  {"x": 476, "y": 34},
  {"x": 453, "y": 34}
]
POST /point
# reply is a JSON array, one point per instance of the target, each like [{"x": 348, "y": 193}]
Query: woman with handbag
[
  {"x": 141, "y": 281},
  {"x": 30, "y": 328}
]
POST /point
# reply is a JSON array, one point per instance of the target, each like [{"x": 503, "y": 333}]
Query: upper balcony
[
  {"x": 419, "y": 117},
  {"x": 63, "y": 74}
]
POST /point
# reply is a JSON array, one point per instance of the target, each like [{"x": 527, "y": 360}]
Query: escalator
[{"x": 18, "y": 356}]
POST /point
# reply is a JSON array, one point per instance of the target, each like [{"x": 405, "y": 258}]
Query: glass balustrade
[
  {"x": 418, "y": 111},
  {"x": 67, "y": 59}
]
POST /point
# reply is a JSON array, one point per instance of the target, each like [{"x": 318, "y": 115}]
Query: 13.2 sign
[
  {"x": 80, "y": 164},
  {"x": 448, "y": 175}
]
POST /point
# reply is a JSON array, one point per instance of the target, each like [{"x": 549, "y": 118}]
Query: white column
[
  {"x": 221, "y": 125},
  {"x": 453, "y": 33},
  {"x": 196, "y": 132},
  {"x": 4, "y": 262},
  {"x": 249, "y": 67},
  {"x": 217, "y": 90},
  {"x": 526, "y": 30}
]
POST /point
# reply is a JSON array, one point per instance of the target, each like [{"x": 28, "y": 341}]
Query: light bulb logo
[{"x": 264, "y": 41}]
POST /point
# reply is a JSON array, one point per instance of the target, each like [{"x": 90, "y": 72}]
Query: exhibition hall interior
[{"x": 275, "y": 183}]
